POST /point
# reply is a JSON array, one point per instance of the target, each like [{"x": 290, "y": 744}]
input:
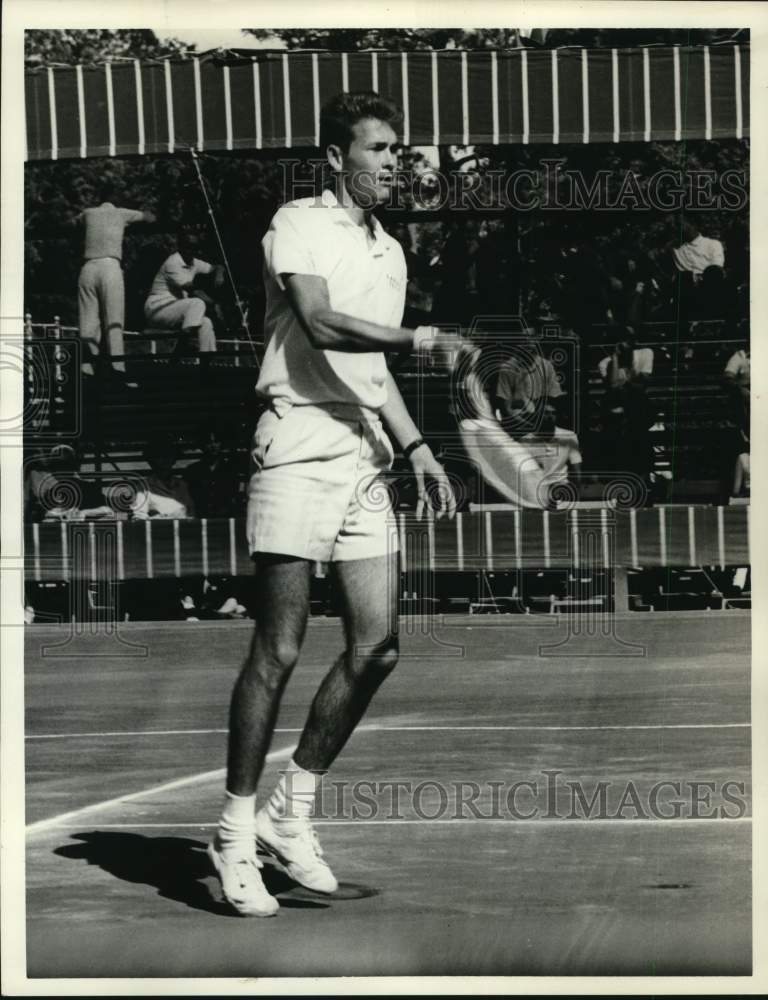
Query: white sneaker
[
  {"x": 293, "y": 842},
  {"x": 241, "y": 883}
]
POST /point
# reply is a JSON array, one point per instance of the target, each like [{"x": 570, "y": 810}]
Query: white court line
[
  {"x": 191, "y": 779},
  {"x": 464, "y": 821},
  {"x": 416, "y": 729}
]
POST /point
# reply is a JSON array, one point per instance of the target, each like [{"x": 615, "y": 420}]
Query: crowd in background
[{"x": 603, "y": 279}]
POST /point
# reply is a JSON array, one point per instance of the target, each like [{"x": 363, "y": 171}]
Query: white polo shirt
[
  {"x": 699, "y": 254},
  {"x": 365, "y": 280}
]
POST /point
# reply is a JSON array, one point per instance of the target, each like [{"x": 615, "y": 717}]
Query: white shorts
[{"x": 316, "y": 490}]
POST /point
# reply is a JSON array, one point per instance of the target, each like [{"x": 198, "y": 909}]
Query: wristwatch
[{"x": 409, "y": 449}]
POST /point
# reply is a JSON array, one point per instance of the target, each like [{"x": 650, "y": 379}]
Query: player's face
[{"x": 369, "y": 164}]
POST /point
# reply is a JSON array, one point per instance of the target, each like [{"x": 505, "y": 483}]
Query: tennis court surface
[{"x": 448, "y": 863}]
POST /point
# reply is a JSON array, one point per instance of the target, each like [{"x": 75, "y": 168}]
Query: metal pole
[{"x": 219, "y": 240}]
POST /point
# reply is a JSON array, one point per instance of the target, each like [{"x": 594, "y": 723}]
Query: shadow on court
[{"x": 177, "y": 867}]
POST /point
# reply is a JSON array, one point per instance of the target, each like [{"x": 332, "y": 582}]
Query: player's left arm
[{"x": 424, "y": 463}]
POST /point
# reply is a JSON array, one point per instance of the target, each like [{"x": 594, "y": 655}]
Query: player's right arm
[
  {"x": 330, "y": 330},
  {"x": 297, "y": 256}
]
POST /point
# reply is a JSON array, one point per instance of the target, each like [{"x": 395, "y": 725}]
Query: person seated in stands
[
  {"x": 213, "y": 480},
  {"x": 499, "y": 458},
  {"x": 627, "y": 411},
  {"x": 163, "y": 493},
  {"x": 526, "y": 383},
  {"x": 694, "y": 253},
  {"x": 55, "y": 490},
  {"x": 556, "y": 451},
  {"x": 627, "y": 363},
  {"x": 175, "y": 301}
]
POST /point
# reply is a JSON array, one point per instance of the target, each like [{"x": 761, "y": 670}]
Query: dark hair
[
  {"x": 109, "y": 190},
  {"x": 345, "y": 110},
  {"x": 187, "y": 239}
]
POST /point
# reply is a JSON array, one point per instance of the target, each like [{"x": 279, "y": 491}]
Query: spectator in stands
[
  {"x": 627, "y": 411},
  {"x": 737, "y": 380},
  {"x": 100, "y": 287},
  {"x": 175, "y": 303},
  {"x": 526, "y": 383},
  {"x": 500, "y": 461},
  {"x": 163, "y": 494},
  {"x": 213, "y": 480},
  {"x": 691, "y": 254},
  {"x": 55, "y": 490},
  {"x": 556, "y": 451},
  {"x": 627, "y": 363},
  {"x": 697, "y": 252}
]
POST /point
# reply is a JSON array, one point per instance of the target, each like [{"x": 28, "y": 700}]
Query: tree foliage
[
  {"x": 410, "y": 39},
  {"x": 45, "y": 46}
]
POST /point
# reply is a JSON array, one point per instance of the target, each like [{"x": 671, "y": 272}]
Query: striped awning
[{"x": 273, "y": 100}]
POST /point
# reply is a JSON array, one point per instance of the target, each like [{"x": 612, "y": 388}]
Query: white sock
[
  {"x": 236, "y": 825},
  {"x": 294, "y": 794}
]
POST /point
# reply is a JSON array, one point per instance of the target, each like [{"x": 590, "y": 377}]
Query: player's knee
[
  {"x": 376, "y": 661},
  {"x": 194, "y": 313},
  {"x": 271, "y": 664},
  {"x": 283, "y": 655}
]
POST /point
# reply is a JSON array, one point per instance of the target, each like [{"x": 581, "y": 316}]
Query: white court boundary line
[
  {"x": 406, "y": 729},
  {"x": 191, "y": 779},
  {"x": 285, "y": 752},
  {"x": 463, "y": 821}
]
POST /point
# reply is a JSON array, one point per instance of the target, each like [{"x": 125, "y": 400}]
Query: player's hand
[
  {"x": 447, "y": 349},
  {"x": 426, "y": 466}
]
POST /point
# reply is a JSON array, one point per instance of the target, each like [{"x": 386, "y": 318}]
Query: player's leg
[
  {"x": 369, "y": 595},
  {"x": 89, "y": 319},
  {"x": 282, "y": 606},
  {"x": 368, "y": 590},
  {"x": 206, "y": 338},
  {"x": 281, "y": 611},
  {"x": 192, "y": 315},
  {"x": 180, "y": 317},
  {"x": 113, "y": 299}
]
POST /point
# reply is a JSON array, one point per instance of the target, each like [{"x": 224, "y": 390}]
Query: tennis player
[{"x": 335, "y": 284}]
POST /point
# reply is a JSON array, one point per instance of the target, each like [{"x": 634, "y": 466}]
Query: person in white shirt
[
  {"x": 498, "y": 455},
  {"x": 556, "y": 451},
  {"x": 626, "y": 363},
  {"x": 171, "y": 304},
  {"x": 163, "y": 493},
  {"x": 696, "y": 253},
  {"x": 335, "y": 289}
]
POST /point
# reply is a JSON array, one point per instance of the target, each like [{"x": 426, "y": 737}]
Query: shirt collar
[{"x": 329, "y": 199}]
